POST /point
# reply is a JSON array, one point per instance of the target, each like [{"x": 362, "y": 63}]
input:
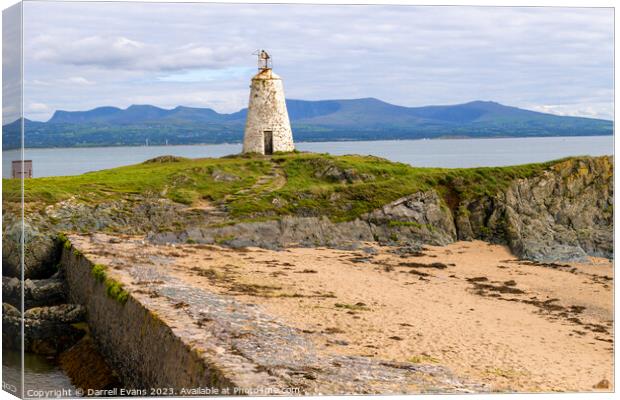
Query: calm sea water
[
  {"x": 39, "y": 373},
  {"x": 449, "y": 153}
]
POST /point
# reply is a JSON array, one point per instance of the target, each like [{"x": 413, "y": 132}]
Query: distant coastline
[
  {"x": 306, "y": 141},
  {"x": 366, "y": 119}
]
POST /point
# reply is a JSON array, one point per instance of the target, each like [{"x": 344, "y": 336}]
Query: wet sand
[{"x": 469, "y": 306}]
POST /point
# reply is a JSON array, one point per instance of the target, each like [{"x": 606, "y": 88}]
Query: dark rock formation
[
  {"x": 47, "y": 330},
  {"x": 67, "y": 313},
  {"x": 288, "y": 231},
  {"x": 37, "y": 292},
  {"x": 420, "y": 217},
  {"x": 330, "y": 171},
  {"x": 565, "y": 214},
  {"x": 40, "y": 251},
  {"x": 334, "y": 174}
]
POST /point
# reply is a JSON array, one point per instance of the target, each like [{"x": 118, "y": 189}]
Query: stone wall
[
  {"x": 143, "y": 350},
  {"x": 267, "y": 112}
]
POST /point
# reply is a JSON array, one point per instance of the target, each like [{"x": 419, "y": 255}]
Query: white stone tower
[{"x": 267, "y": 127}]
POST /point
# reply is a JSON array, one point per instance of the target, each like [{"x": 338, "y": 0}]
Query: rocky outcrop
[
  {"x": 422, "y": 217},
  {"x": 331, "y": 172},
  {"x": 40, "y": 250},
  {"x": 48, "y": 324},
  {"x": 288, "y": 231},
  {"x": 564, "y": 214},
  {"x": 130, "y": 216},
  {"x": 47, "y": 330},
  {"x": 37, "y": 292}
]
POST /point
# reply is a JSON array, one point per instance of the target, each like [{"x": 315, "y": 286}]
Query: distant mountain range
[{"x": 324, "y": 120}]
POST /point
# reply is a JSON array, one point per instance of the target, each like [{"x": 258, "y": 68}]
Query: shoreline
[{"x": 308, "y": 142}]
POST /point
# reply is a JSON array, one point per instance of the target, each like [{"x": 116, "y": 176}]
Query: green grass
[
  {"x": 308, "y": 190},
  {"x": 98, "y": 271},
  {"x": 224, "y": 239},
  {"x": 411, "y": 224},
  {"x": 63, "y": 240},
  {"x": 113, "y": 288},
  {"x": 184, "y": 181},
  {"x": 115, "y": 291}
]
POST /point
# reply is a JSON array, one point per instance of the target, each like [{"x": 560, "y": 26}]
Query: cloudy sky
[{"x": 84, "y": 55}]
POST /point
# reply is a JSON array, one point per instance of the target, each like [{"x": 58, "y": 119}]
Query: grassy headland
[{"x": 253, "y": 187}]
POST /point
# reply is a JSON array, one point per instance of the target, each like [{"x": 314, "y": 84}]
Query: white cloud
[
  {"x": 598, "y": 110},
  {"x": 207, "y": 75},
  {"x": 79, "y": 80},
  {"x": 200, "y": 54},
  {"x": 10, "y": 113},
  {"x": 92, "y": 50},
  {"x": 11, "y": 65},
  {"x": 224, "y": 101},
  {"x": 37, "y": 108},
  {"x": 118, "y": 52}
]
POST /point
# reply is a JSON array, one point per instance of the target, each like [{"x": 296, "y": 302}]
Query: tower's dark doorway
[{"x": 268, "y": 142}]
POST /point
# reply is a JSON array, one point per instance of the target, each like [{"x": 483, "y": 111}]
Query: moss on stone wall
[
  {"x": 98, "y": 271},
  {"x": 114, "y": 289}
]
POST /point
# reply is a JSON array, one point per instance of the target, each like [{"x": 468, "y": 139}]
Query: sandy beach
[{"x": 471, "y": 307}]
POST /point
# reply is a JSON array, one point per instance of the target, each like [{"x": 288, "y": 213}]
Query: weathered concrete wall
[
  {"x": 267, "y": 112},
  {"x": 143, "y": 350}
]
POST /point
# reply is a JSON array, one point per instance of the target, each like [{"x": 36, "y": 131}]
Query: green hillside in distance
[{"x": 324, "y": 120}]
